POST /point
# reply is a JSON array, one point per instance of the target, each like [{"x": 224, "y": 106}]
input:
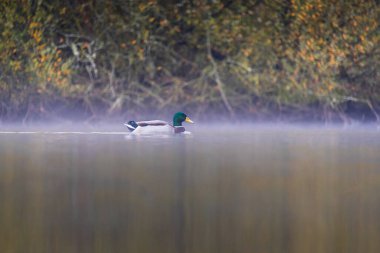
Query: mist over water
[{"x": 235, "y": 188}]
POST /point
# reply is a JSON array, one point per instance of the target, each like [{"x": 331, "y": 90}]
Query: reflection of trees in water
[{"x": 258, "y": 190}]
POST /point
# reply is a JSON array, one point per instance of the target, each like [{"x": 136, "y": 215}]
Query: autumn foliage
[{"x": 287, "y": 59}]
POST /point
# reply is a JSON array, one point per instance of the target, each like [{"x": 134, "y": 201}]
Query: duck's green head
[{"x": 180, "y": 117}]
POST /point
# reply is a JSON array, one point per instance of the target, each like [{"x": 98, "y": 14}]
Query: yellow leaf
[
  {"x": 142, "y": 7},
  {"x": 62, "y": 11},
  {"x": 34, "y": 25}
]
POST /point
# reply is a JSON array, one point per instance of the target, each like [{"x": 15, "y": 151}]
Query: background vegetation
[{"x": 284, "y": 59}]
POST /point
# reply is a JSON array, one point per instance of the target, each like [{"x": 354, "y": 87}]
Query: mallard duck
[{"x": 159, "y": 126}]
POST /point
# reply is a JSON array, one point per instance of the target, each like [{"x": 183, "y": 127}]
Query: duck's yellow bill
[{"x": 188, "y": 120}]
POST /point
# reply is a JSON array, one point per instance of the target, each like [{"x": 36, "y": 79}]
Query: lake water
[{"x": 232, "y": 189}]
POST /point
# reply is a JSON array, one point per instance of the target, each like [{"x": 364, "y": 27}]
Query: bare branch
[{"x": 215, "y": 72}]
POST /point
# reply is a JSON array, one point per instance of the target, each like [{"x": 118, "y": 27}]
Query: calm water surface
[{"x": 241, "y": 189}]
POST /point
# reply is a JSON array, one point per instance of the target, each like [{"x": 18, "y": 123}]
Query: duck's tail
[{"x": 131, "y": 125}]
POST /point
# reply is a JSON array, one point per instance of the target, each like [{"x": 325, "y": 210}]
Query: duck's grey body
[{"x": 156, "y": 127}]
